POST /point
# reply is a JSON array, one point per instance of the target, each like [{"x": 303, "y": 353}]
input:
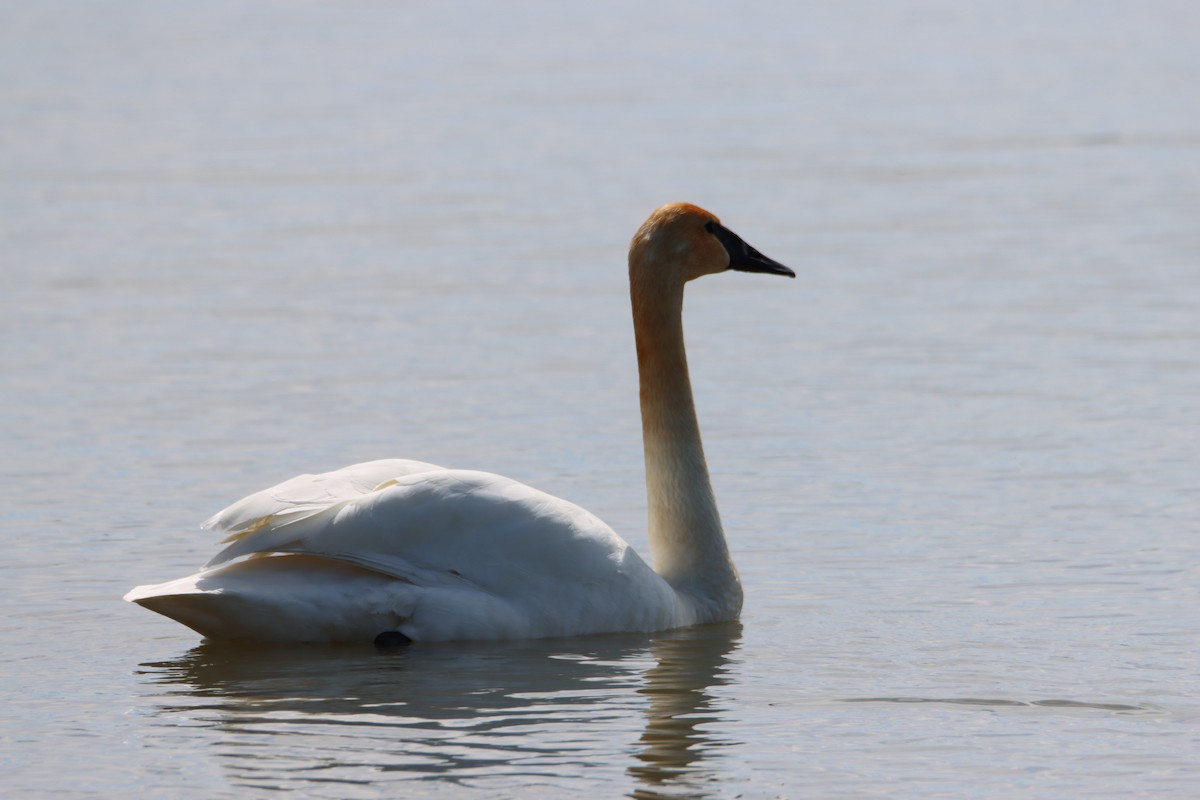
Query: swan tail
[{"x": 285, "y": 598}]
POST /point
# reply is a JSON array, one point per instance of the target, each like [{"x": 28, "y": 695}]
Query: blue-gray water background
[{"x": 957, "y": 458}]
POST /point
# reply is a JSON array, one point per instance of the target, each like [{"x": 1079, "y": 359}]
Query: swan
[{"x": 397, "y": 551}]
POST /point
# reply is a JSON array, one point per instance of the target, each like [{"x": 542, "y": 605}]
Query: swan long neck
[{"x": 687, "y": 542}]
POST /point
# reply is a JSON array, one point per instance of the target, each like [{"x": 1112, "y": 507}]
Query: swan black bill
[{"x": 744, "y": 258}]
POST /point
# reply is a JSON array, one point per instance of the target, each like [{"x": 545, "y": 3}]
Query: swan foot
[{"x": 389, "y": 639}]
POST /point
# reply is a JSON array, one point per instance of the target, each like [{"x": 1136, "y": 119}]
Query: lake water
[{"x": 957, "y": 458}]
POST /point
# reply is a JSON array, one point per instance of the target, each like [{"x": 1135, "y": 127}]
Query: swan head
[{"x": 680, "y": 242}]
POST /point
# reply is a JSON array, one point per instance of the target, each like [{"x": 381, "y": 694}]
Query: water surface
[{"x": 957, "y": 458}]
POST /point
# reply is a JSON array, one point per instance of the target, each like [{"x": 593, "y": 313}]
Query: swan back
[{"x": 304, "y": 495}]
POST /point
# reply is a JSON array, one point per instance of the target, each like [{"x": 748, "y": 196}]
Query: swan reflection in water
[{"x": 553, "y": 713}]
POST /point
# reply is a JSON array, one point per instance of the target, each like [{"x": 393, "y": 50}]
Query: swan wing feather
[
  {"x": 485, "y": 528},
  {"x": 476, "y": 555},
  {"x": 305, "y": 495}
]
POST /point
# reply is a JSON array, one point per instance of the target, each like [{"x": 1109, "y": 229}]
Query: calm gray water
[{"x": 958, "y": 458}]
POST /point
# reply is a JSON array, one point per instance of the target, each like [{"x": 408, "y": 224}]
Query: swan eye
[{"x": 710, "y": 226}]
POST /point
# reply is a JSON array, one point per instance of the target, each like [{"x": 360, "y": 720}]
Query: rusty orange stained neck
[{"x": 687, "y": 542}]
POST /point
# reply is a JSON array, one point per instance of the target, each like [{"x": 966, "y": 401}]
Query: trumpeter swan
[{"x": 399, "y": 550}]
